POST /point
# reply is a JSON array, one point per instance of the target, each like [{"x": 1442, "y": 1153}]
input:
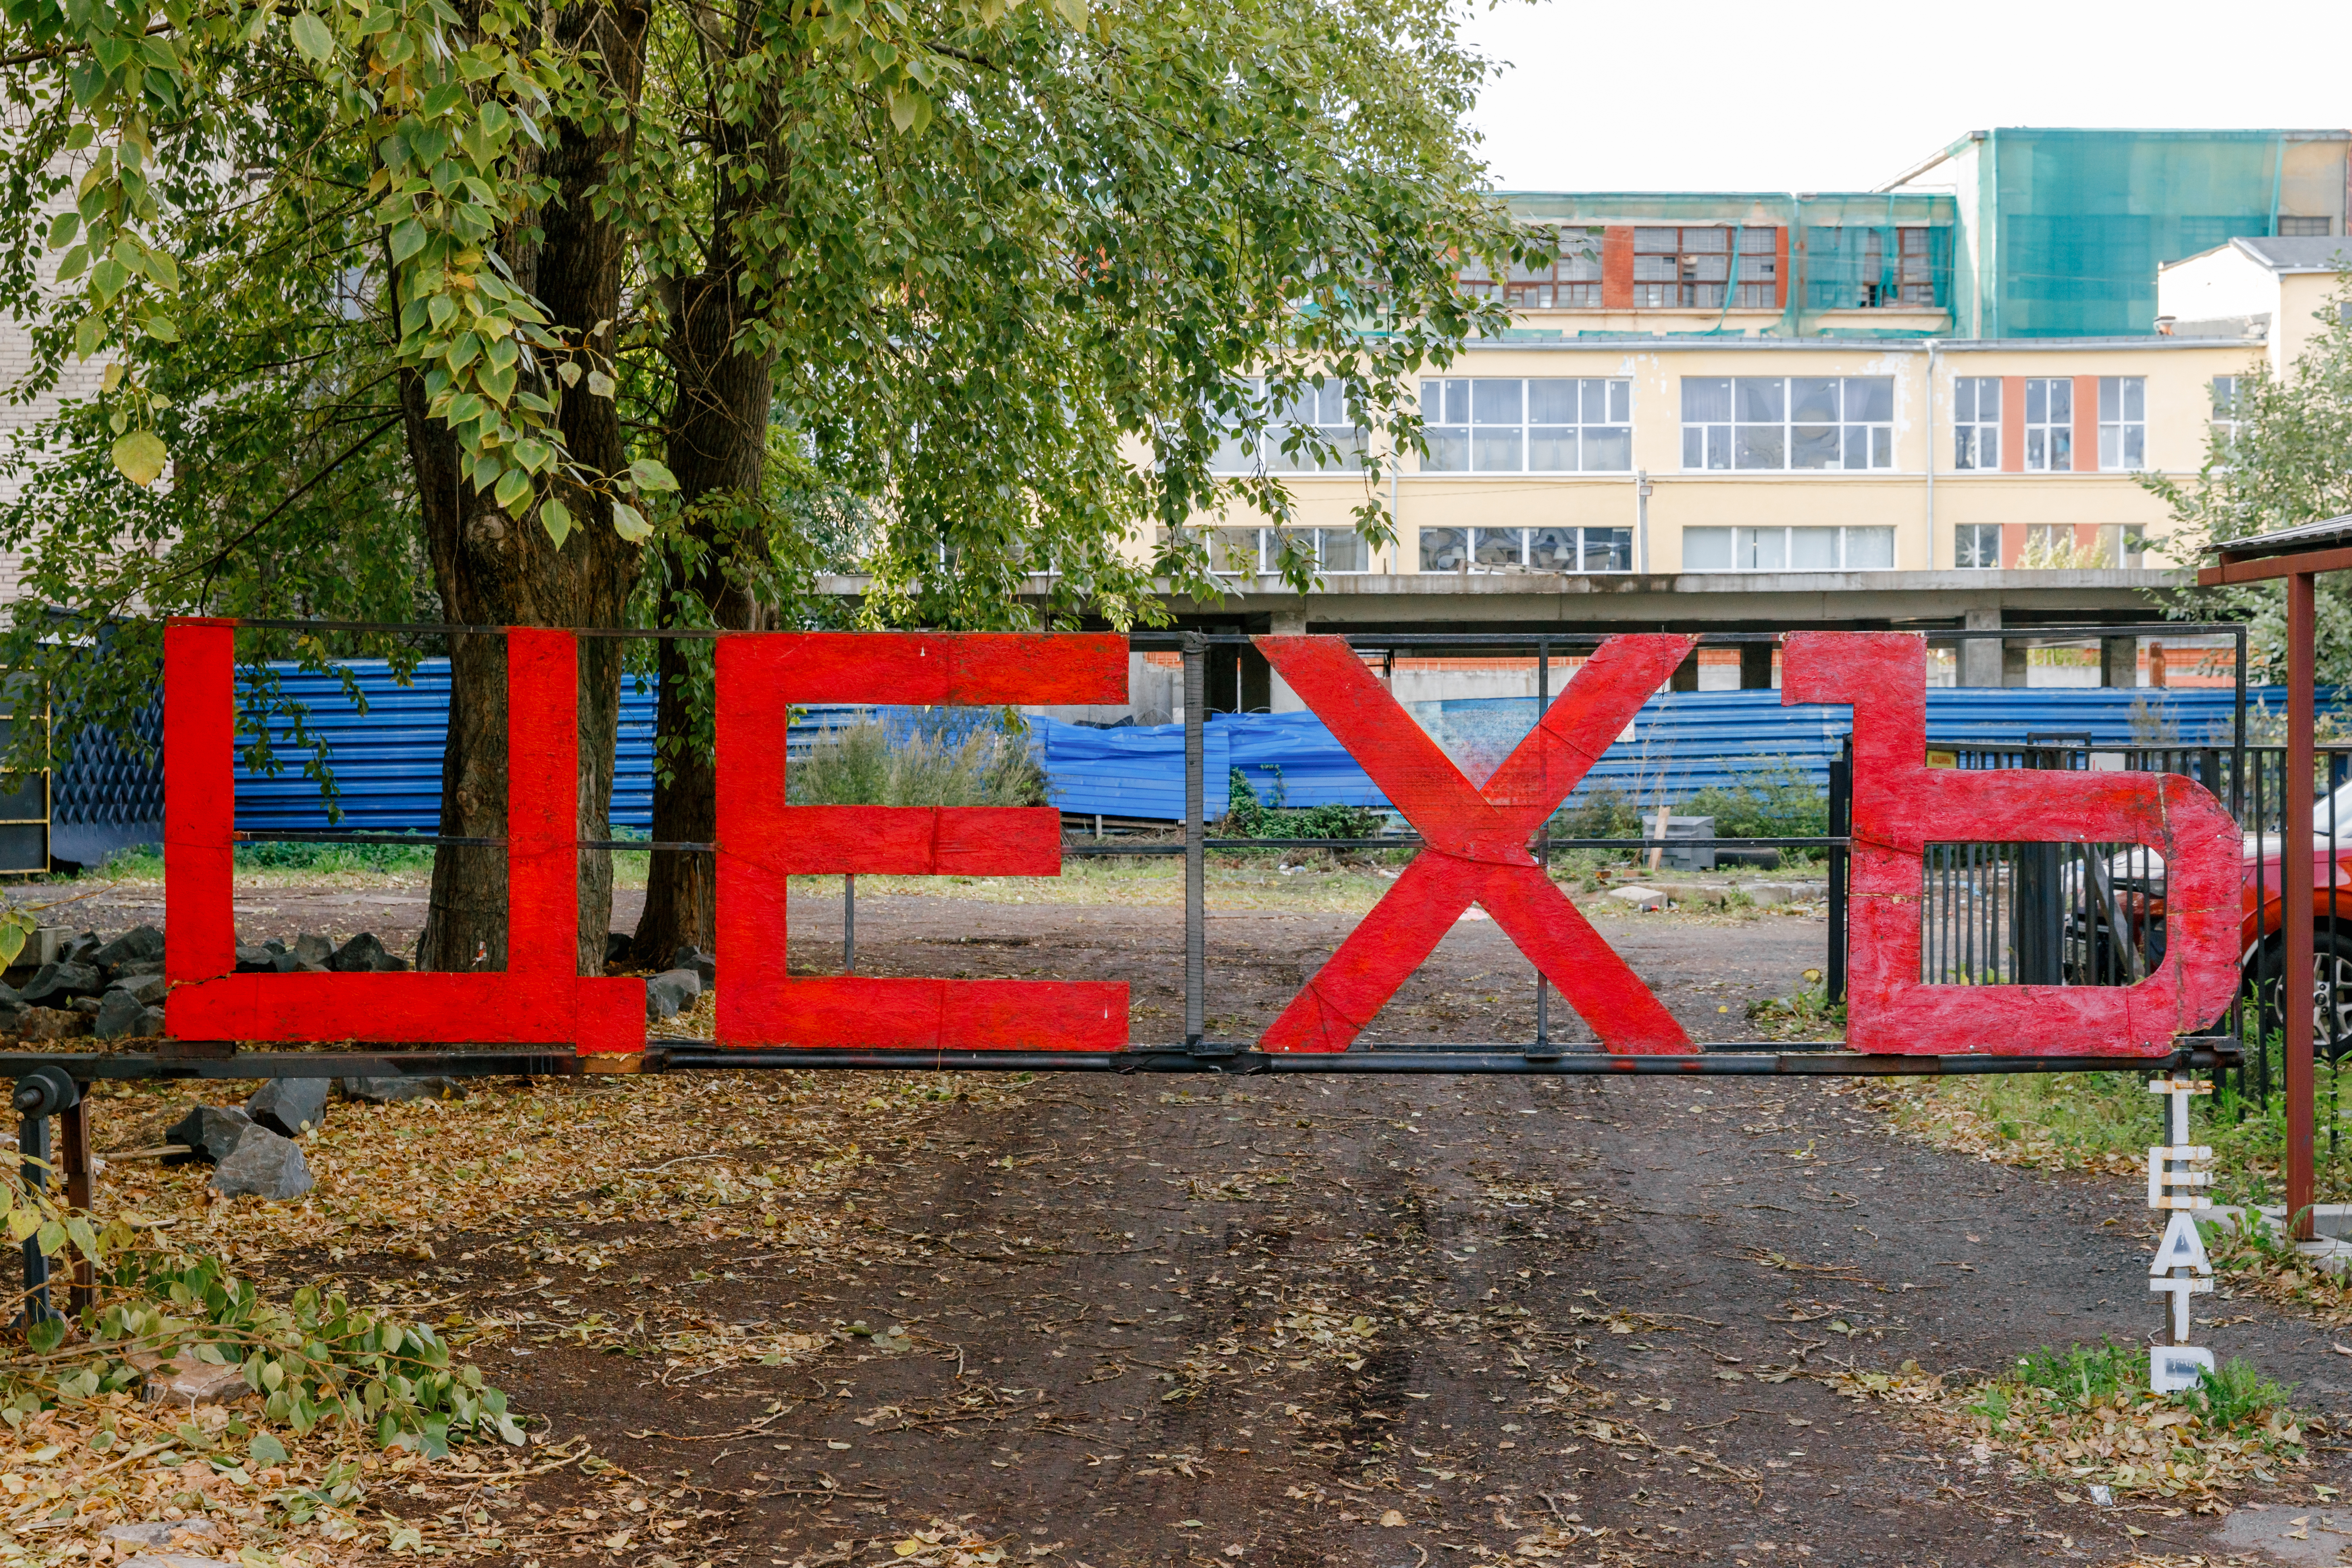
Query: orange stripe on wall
[
  {"x": 1782, "y": 271},
  {"x": 2013, "y": 537},
  {"x": 2086, "y": 424},
  {"x": 1617, "y": 267},
  {"x": 2012, "y": 434}
]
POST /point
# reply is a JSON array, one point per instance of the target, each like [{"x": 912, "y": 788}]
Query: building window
[
  {"x": 2091, "y": 547},
  {"x": 1553, "y": 425},
  {"x": 2049, "y": 424},
  {"x": 1573, "y": 279},
  {"x": 1323, "y": 407},
  {"x": 2305, "y": 225},
  {"x": 1536, "y": 549},
  {"x": 1691, "y": 267},
  {"x": 1976, "y": 422},
  {"x": 1788, "y": 549},
  {"x": 1976, "y": 547},
  {"x": 1247, "y": 552},
  {"x": 2122, "y": 422},
  {"x": 1793, "y": 421},
  {"x": 2226, "y": 423}
]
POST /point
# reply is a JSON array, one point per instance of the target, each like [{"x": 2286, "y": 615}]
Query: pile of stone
[
  {"x": 674, "y": 990},
  {"x": 114, "y": 989},
  {"x": 251, "y": 1148}
]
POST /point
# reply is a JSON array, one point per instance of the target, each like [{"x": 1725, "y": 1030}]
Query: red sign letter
[
  {"x": 761, "y": 840},
  {"x": 1476, "y": 844},
  {"x": 1900, "y": 805},
  {"x": 540, "y": 998}
]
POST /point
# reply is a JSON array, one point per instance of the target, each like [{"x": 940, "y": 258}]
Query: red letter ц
[
  {"x": 541, "y": 999},
  {"x": 1901, "y": 806},
  {"x": 762, "y": 841}
]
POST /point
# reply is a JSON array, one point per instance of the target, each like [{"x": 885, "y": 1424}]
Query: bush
[
  {"x": 1781, "y": 803},
  {"x": 1248, "y": 816},
  {"x": 864, "y": 765}
]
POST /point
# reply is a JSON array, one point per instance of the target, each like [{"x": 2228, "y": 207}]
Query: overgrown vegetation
[
  {"x": 1249, "y": 817},
  {"x": 1777, "y": 802},
  {"x": 867, "y": 764}
]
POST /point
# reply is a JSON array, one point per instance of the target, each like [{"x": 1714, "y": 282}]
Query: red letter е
[{"x": 761, "y": 840}]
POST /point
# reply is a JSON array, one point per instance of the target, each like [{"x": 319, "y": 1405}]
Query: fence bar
[
  {"x": 2294, "y": 884},
  {"x": 1543, "y": 849},
  {"x": 1840, "y": 823},
  {"x": 1196, "y": 884}
]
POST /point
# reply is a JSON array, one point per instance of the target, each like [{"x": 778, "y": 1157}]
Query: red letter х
[
  {"x": 1900, "y": 805},
  {"x": 541, "y": 999},
  {"x": 761, "y": 840},
  {"x": 1476, "y": 844}
]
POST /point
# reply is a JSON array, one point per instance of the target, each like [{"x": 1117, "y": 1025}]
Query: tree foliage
[{"x": 2287, "y": 461}]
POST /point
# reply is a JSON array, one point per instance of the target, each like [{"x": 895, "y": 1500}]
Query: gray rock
[
  {"x": 263, "y": 1165},
  {"x": 289, "y": 1105},
  {"x": 391, "y": 1091},
  {"x": 211, "y": 1132},
  {"x": 364, "y": 954},
  {"x": 670, "y": 993},
  {"x": 138, "y": 967},
  {"x": 87, "y": 1007},
  {"x": 140, "y": 944},
  {"x": 312, "y": 947},
  {"x": 151, "y": 1024},
  {"x": 705, "y": 967},
  {"x": 57, "y": 982},
  {"x": 253, "y": 959},
  {"x": 78, "y": 950},
  {"x": 158, "y": 1531},
  {"x": 124, "y": 1016},
  {"x": 35, "y": 1025},
  {"x": 147, "y": 990}
]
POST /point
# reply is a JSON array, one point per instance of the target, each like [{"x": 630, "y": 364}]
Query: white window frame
[
  {"x": 1976, "y": 431},
  {"x": 1330, "y": 416},
  {"x": 1706, "y": 440},
  {"x": 1264, "y": 548},
  {"x": 2224, "y": 424},
  {"x": 1968, "y": 539},
  {"x": 1512, "y": 549},
  {"x": 1602, "y": 406},
  {"x": 2122, "y": 424},
  {"x": 1756, "y": 543},
  {"x": 2052, "y": 432}
]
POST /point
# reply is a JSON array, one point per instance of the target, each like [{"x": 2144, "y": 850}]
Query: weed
[
  {"x": 1249, "y": 817},
  {"x": 866, "y": 764},
  {"x": 2085, "y": 1375},
  {"x": 2235, "y": 1397}
]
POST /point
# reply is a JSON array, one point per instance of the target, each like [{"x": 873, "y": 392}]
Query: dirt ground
[{"x": 1369, "y": 1323}]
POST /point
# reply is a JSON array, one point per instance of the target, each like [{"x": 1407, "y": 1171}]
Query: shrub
[
  {"x": 864, "y": 765},
  {"x": 1249, "y": 817}
]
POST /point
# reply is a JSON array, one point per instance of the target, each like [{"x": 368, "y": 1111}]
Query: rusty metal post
[
  {"x": 1195, "y": 848},
  {"x": 2295, "y": 883},
  {"x": 75, "y": 1163}
]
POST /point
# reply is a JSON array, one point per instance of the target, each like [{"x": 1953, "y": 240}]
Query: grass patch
[{"x": 2083, "y": 1416}]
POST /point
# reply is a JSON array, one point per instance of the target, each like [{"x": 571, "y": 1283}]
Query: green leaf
[
  {"x": 140, "y": 455},
  {"x": 70, "y": 267},
  {"x": 311, "y": 36},
  {"x": 556, "y": 518},
  {"x": 408, "y": 239},
  {"x": 514, "y": 488},
  {"x": 162, "y": 328},
  {"x": 62, "y": 232},
  {"x": 265, "y": 1449},
  {"x": 600, "y": 384},
  {"x": 630, "y": 523},
  {"x": 651, "y": 477}
]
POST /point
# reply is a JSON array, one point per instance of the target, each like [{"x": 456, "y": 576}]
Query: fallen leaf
[{"x": 1391, "y": 1519}]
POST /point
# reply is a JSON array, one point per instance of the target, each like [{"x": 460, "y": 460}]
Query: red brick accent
[
  {"x": 1782, "y": 271},
  {"x": 2013, "y": 432},
  {"x": 2086, "y": 424},
  {"x": 1617, "y": 267}
]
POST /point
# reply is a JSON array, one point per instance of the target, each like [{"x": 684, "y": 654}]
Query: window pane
[
  {"x": 1762, "y": 549},
  {"x": 1695, "y": 447},
  {"x": 1718, "y": 445},
  {"x": 1552, "y": 549},
  {"x": 2062, "y": 448},
  {"x": 1449, "y": 452},
  {"x": 1812, "y": 549},
  {"x": 1657, "y": 239},
  {"x": 1813, "y": 399},
  {"x": 1495, "y": 401},
  {"x": 1881, "y": 445},
  {"x": 2135, "y": 397},
  {"x": 1857, "y": 446},
  {"x": 1610, "y": 549},
  {"x": 1707, "y": 269},
  {"x": 1234, "y": 550},
  {"x": 1594, "y": 402},
  {"x": 1964, "y": 399},
  {"x": 1873, "y": 549},
  {"x": 1706, "y": 398},
  {"x": 1608, "y": 449},
  {"x": 1761, "y": 447},
  {"x": 2061, "y": 400},
  {"x": 2111, "y": 446},
  {"x": 1813, "y": 447},
  {"x": 1621, "y": 402},
  {"x": 1234, "y": 456},
  {"x": 1706, "y": 239},
  {"x": 1498, "y": 547},
  {"x": 1551, "y": 448},
  {"x": 1442, "y": 549},
  {"x": 1707, "y": 550},
  {"x": 1551, "y": 402},
  {"x": 2225, "y": 395},
  {"x": 2111, "y": 397},
  {"x": 1496, "y": 451},
  {"x": 2135, "y": 445},
  {"x": 2037, "y": 401},
  {"x": 1343, "y": 550},
  {"x": 1870, "y": 397},
  {"x": 1988, "y": 398},
  {"x": 1760, "y": 399}
]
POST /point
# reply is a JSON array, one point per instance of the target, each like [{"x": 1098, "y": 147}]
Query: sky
[{"x": 1683, "y": 95}]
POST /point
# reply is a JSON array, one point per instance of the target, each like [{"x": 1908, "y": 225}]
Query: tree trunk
[
  {"x": 492, "y": 570},
  {"x": 717, "y": 451}
]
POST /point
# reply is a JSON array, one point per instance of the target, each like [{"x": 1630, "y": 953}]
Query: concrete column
[
  {"x": 1754, "y": 667},
  {"x": 1980, "y": 657},
  {"x": 1281, "y": 698},
  {"x": 2120, "y": 661},
  {"x": 2012, "y": 665}
]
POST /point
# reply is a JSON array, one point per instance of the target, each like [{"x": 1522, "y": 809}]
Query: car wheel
[{"x": 2331, "y": 992}]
